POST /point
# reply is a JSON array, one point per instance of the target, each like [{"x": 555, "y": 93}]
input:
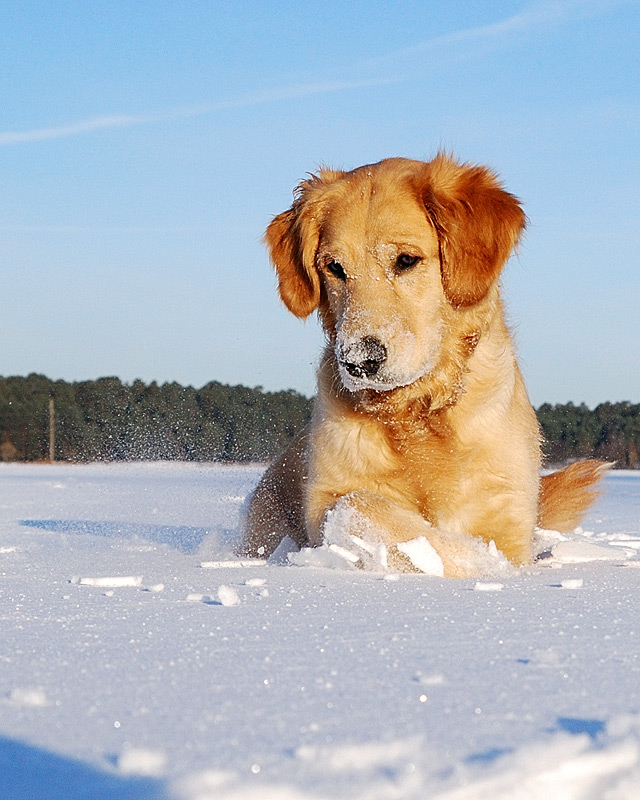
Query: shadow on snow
[
  {"x": 27, "y": 773},
  {"x": 181, "y": 537}
]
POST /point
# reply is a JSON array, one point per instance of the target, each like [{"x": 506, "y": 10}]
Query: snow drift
[{"x": 140, "y": 659}]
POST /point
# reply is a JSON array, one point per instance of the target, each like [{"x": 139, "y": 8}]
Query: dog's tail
[{"x": 566, "y": 495}]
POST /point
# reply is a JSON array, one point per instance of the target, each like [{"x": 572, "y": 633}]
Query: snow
[
  {"x": 423, "y": 556},
  {"x": 365, "y": 549},
  {"x": 483, "y": 586},
  {"x": 111, "y": 583},
  {"x": 140, "y": 761},
  {"x": 140, "y": 659},
  {"x": 228, "y": 596}
]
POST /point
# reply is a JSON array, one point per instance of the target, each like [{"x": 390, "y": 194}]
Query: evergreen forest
[{"x": 107, "y": 420}]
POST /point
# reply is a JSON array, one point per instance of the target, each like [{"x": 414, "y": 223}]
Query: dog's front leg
[{"x": 382, "y": 534}]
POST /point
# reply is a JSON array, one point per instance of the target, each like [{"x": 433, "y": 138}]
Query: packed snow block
[{"x": 574, "y": 551}]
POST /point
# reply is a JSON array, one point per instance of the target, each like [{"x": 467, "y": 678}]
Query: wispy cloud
[
  {"x": 104, "y": 122},
  {"x": 534, "y": 16},
  {"x": 73, "y": 129},
  {"x": 108, "y": 230},
  {"x": 462, "y": 43}
]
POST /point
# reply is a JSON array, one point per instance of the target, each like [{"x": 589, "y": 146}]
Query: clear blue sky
[{"x": 145, "y": 146}]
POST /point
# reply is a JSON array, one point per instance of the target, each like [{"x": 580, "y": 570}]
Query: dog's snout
[{"x": 364, "y": 358}]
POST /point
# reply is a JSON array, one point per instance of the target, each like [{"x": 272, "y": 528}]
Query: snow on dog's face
[
  {"x": 392, "y": 255},
  {"x": 378, "y": 261}
]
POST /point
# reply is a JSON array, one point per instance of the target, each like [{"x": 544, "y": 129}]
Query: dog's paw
[
  {"x": 349, "y": 534},
  {"x": 352, "y": 535}
]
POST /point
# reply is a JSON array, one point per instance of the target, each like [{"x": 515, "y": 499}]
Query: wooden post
[{"x": 52, "y": 431}]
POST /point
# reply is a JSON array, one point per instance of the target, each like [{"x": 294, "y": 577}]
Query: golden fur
[{"x": 422, "y": 425}]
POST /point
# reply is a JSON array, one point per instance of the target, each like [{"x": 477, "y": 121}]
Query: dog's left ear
[{"x": 478, "y": 224}]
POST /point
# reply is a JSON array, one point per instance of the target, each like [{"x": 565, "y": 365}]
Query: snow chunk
[
  {"x": 347, "y": 555},
  {"x": 196, "y": 597},
  {"x": 32, "y": 697},
  {"x": 618, "y": 541},
  {"x": 350, "y": 534},
  {"x": 433, "y": 679},
  {"x": 228, "y": 596},
  {"x": 319, "y": 557},
  {"x": 481, "y": 586},
  {"x": 255, "y": 582},
  {"x": 242, "y": 562},
  {"x": 203, "y": 785},
  {"x": 358, "y": 757},
  {"x": 218, "y": 785},
  {"x": 423, "y": 556},
  {"x": 352, "y": 541},
  {"x": 281, "y": 554},
  {"x": 577, "y": 552},
  {"x": 341, "y": 549},
  {"x": 566, "y": 767},
  {"x": 572, "y": 583},
  {"x": 116, "y": 582},
  {"x": 142, "y": 761}
]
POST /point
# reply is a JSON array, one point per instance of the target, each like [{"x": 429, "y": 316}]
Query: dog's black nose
[{"x": 363, "y": 358}]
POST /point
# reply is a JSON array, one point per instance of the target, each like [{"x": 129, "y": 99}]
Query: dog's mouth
[
  {"x": 380, "y": 385},
  {"x": 364, "y": 364}
]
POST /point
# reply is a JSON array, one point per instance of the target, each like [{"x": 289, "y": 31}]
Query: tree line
[
  {"x": 611, "y": 431},
  {"x": 107, "y": 420}
]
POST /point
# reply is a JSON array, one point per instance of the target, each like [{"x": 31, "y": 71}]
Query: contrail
[{"x": 128, "y": 120}]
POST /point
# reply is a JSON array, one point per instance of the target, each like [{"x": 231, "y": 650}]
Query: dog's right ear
[
  {"x": 292, "y": 239},
  {"x": 298, "y": 283}
]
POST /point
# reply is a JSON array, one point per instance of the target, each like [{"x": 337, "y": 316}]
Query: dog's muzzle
[{"x": 364, "y": 358}]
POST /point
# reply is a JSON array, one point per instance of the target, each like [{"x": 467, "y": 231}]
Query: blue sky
[{"x": 145, "y": 146}]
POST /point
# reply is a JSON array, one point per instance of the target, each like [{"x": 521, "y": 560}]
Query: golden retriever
[{"x": 422, "y": 426}]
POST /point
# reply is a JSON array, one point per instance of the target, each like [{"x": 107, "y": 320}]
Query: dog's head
[{"x": 392, "y": 255}]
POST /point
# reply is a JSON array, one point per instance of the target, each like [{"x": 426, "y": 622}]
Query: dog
[{"x": 422, "y": 430}]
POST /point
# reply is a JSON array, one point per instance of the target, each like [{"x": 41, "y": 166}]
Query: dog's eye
[
  {"x": 405, "y": 262},
  {"x": 336, "y": 268}
]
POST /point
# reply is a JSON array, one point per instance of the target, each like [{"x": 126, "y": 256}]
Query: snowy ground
[{"x": 300, "y": 682}]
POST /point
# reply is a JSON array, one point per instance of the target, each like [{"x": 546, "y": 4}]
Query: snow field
[{"x": 139, "y": 659}]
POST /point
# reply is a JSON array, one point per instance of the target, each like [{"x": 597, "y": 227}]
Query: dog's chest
[{"x": 430, "y": 470}]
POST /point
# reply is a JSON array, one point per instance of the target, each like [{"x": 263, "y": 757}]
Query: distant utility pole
[{"x": 52, "y": 431}]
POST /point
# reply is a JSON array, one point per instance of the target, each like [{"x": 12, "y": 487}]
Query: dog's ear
[
  {"x": 478, "y": 224},
  {"x": 292, "y": 239}
]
